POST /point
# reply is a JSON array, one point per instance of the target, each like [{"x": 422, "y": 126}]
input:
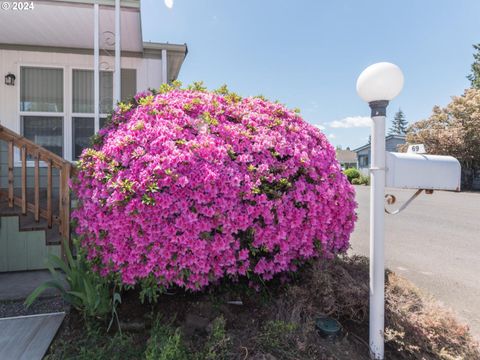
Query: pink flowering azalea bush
[{"x": 186, "y": 187}]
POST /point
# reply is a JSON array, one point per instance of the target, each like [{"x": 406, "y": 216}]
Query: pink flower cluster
[{"x": 188, "y": 187}]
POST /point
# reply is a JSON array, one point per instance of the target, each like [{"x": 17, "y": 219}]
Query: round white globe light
[{"x": 380, "y": 81}]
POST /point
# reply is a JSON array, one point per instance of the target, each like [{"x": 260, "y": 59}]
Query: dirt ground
[{"x": 279, "y": 321}]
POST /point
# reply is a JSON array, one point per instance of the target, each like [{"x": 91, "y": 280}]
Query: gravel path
[{"x": 11, "y": 308}]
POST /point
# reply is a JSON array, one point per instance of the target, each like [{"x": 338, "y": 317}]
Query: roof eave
[
  {"x": 182, "y": 48},
  {"x": 393, "y": 136},
  {"x": 361, "y": 148},
  {"x": 123, "y": 3}
]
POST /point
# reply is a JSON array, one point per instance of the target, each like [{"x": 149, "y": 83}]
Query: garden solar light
[{"x": 328, "y": 327}]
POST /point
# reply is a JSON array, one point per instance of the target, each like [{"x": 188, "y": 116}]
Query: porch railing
[{"x": 29, "y": 151}]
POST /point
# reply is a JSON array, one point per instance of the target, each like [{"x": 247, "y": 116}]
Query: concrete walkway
[
  {"x": 18, "y": 285},
  {"x": 28, "y": 337}
]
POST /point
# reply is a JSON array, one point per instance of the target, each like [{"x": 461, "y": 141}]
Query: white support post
[
  {"x": 378, "y": 84},
  {"x": 377, "y": 231},
  {"x": 96, "y": 68},
  {"x": 117, "y": 74},
  {"x": 164, "y": 66}
]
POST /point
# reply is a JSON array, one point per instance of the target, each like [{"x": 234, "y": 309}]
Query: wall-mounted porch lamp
[{"x": 10, "y": 79}]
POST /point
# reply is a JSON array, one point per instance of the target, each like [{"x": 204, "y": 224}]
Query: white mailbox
[{"x": 420, "y": 171}]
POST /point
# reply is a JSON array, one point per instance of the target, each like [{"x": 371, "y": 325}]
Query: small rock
[
  {"x": 235, "y": 302},
  {"x": 132, "y": 326}
]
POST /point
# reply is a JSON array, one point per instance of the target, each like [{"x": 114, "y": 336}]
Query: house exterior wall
[
  {"x": 364, "y": 154},
  {"x": 149, "y": 74},
  {"x": 348, "y": 165},
  {"x": 392, "y": 144},
  {"x": 22, "y": 250},
  {"x": 363, "y": 161}
]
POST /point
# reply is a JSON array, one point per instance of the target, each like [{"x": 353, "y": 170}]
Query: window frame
[
  {"x": 78, "y": 114},
  {"x": 363, "y": 161},
  {"x": 67, "y": 114},
  {"x": 84, "y": 115},
  {"x": 63, "y": 114}
]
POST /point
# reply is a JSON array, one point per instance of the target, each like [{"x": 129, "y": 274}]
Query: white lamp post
[{"x": 378, "y": 84}]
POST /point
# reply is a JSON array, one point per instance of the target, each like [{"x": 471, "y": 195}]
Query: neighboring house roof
[
  {"x": 346, "y": 156},
  {"x": 67, "y": 27},
  {"x": 389, "y": 137}
]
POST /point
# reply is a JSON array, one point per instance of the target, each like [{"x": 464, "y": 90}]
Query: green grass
[
  {"x": 277, "y": 338},
  {"x": 218, "y": 344},
  {"x": 165, "y": 343}
]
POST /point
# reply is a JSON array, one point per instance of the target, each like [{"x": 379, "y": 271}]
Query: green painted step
[{"x": 22, "y": 250}]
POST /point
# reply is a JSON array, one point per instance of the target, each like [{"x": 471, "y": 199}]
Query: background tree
[
  {"x": 399, "y": 124},
  {"x": 453, "y": 130},
  {"x": 474, "y": 76}
]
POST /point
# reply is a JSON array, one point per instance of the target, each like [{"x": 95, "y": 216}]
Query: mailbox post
[{"x": 377, "y": 85}]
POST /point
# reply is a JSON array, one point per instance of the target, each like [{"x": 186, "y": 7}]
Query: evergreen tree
[
  {"x": 399, "y": 124},
  {"x": 474, "y": 76}
]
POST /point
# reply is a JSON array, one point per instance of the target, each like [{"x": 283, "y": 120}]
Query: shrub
[
  {"x": 357, "y": 181},
  {"x": 165, "y": 343},
  {"x": 186, "y": 187},
  {"x": 365, "y": 180},
  {"x": 87, "y": 292},
  {"x": 362, "y": 180},
  {"x": 351, "y": 174}
]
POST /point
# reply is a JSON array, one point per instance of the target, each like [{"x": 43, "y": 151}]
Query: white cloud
[
  {"x": 169, "y": 3},
  {"x": 352, "y": 122},
  {"x": 331, "y": 136},
  {"x": 320, "y": 126}
]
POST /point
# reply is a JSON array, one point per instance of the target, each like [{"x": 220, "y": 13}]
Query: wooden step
[
  {"x": 5, "y": 210},
  {"x": 49, "y": 196},
  {"x": 27, "y": 223},
  {"x": 52, "y": 236}
]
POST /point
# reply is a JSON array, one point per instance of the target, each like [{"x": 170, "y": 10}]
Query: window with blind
[
  {"x": 42, "y": 106},
  {"x": 46, "y": 131},
  {"x": 83, "y": 126}
]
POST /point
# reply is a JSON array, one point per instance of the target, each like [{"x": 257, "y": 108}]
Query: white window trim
[{"x": 67, "y": 113}]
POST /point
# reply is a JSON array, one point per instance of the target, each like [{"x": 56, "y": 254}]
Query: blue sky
[{"x": 308, "y": 54}]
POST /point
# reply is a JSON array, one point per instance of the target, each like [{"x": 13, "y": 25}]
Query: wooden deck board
[{"x": 28, "y": 337}]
